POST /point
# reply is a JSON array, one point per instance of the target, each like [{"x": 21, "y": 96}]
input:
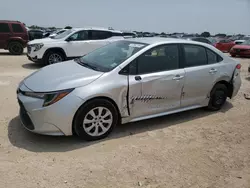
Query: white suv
[{"x": 70, "y": 44}]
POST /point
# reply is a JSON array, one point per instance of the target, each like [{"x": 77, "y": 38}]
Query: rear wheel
[
  {"x": 218, "y": 97},
  {"x": 53, "y": 57},
  {"x": 95, "y": 120},
  {"x": 233, "y": 55},
  {"x": 15, "y": 48}
]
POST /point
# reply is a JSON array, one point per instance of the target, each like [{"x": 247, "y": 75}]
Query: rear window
[
  {"x": 4, "y": 28},
  {"x": 17, "y": 28}
]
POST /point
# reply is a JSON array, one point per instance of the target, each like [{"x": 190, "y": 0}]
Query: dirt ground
[{"x": 191, "y": 149}]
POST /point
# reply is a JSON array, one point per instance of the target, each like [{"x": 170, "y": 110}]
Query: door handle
[
  {"x": 137, "y": 78},
  {"x": 178, "y": 77},
  {"x": 213, "y": 71}
]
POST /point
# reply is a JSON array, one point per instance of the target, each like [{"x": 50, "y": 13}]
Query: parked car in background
[
  {"x": 243, "y": 39},
  {"x": 201, "y": 39},
  {"x": 126, "y": 81},
  {"x": 241, "y": 49},
  {"x": 53, "y": 34},
  {"x": 35, "y": 34},
  {"x": 70, "y": 44},
  {"x": 224, "y": 45},
  {"x": 13, "y": 36}
]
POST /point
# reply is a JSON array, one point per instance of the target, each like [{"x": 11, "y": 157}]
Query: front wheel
[
  {"x": 53, "y": 57},
  {"x": 95, "y": 120},
  {"x": 15, "y": 48},
  {"x": 218, "y": 97}
]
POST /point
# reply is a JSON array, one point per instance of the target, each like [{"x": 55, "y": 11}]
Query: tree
[
  {"x": 205, "y": 34},
  {"x": 68, "y": 27}
]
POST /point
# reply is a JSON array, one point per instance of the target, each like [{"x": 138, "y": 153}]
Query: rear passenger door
[
  {"x": 5, "y": 34},
  {"x": 202, "y": 69}
]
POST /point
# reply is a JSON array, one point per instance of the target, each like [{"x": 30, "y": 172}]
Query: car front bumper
[
  {"x": 241, "y": 53},
  {"x": 54, "y": 120}
]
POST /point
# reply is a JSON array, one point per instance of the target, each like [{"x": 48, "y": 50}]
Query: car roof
[
  {"x": 10, "y": 21},
  {"x": 96, "y": 28},
  {"x": 156, "y": 40}
]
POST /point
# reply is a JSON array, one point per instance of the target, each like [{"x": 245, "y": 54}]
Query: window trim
[
  {"x": 10, "y": 29},
  {"x": 126, "y": 71}
]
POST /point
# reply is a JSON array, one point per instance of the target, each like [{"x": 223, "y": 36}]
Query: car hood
[
  {"x": 44, "y": 41},
  {"x": 241, "y": 47},
  {"x": 60, "y": 76}
]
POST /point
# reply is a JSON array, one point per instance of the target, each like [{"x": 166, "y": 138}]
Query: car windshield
[
  {"x": 247, "y": 42},
  {"x": 108, "y": 57},
  {"x": 64, "y": 34}
]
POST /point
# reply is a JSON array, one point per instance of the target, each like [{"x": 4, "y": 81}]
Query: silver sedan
[{"x": 126, "y": 81}]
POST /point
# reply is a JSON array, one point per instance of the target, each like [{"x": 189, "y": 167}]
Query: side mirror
[{"x": 68, "y": 39}]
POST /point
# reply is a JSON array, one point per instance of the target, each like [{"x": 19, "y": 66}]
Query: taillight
[{"x": 238, "y": 66}]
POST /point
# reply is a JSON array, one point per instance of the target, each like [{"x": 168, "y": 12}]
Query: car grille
[
  {"x": 29, "y": 49},
  {"x": 25, "y": 117}
]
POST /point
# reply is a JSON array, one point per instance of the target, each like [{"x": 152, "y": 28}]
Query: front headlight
[
  {"x": 50, "y": 97},
  {"x": 37, "y": 46}
]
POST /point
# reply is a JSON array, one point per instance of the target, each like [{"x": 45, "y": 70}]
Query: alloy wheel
[{"x": 97, "y": 121}]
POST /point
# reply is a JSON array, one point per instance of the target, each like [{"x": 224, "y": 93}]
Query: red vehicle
[
  {"x": 13, "y": 36},
  {"x": 242, "y": 49},
  {"x": 224, "y": 45}
]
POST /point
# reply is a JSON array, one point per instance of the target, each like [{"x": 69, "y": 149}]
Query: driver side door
[
  {"x": 77, "y": 44},
  {"x": 157, "y": 83}
]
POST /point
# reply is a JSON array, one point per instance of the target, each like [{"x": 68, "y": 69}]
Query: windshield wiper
[{"x": 86, "y": 64}]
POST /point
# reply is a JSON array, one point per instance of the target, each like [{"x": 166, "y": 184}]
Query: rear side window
[
  {"x": 116, "y": 34},
  {"x": 161, "y": 58},
  {"x": 4, "y": 28},
  {"x": 17, "y": 28},
  {"x": 213, "y": 57},
  {"x": 195, "y": 55},
  {"x": 100, "y": 35}
]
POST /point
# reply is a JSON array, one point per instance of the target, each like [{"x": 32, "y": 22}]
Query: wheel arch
[
  {"x": 227, "y": 84},
  {"x": 55, "y": 49},
  {"x": 15, "y": 40},
  {"x": 91, "y": 99}
]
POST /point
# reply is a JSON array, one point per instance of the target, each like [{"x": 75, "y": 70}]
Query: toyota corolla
[{"x": 126, "y": 81}]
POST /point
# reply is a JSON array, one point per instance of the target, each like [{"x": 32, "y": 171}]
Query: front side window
[
  {"x": 4, "y": 28},
  {"x": 161, "y": 58},
  {"x": 79, "y": 36},
  {"x": 195, "y": 55},
  {"x": 247, "y": 42},
  {"x": 110, "y": 56},
  {"x": 17, "y": 28}
]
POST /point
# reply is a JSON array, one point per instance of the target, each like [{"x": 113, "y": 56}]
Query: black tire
[
  {"x": 218, "y": 97},
  {"x": 49, "y": 55},
  {"x": 233, "y": 55},
  {"x": 85, "y": 109},
  {"x": 15, "y": 48}
]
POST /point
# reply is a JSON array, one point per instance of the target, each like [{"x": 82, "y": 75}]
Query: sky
[{"x": 191, "y": 16}]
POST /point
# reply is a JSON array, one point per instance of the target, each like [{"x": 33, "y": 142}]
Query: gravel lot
[{"x": 191, "y": 149}]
